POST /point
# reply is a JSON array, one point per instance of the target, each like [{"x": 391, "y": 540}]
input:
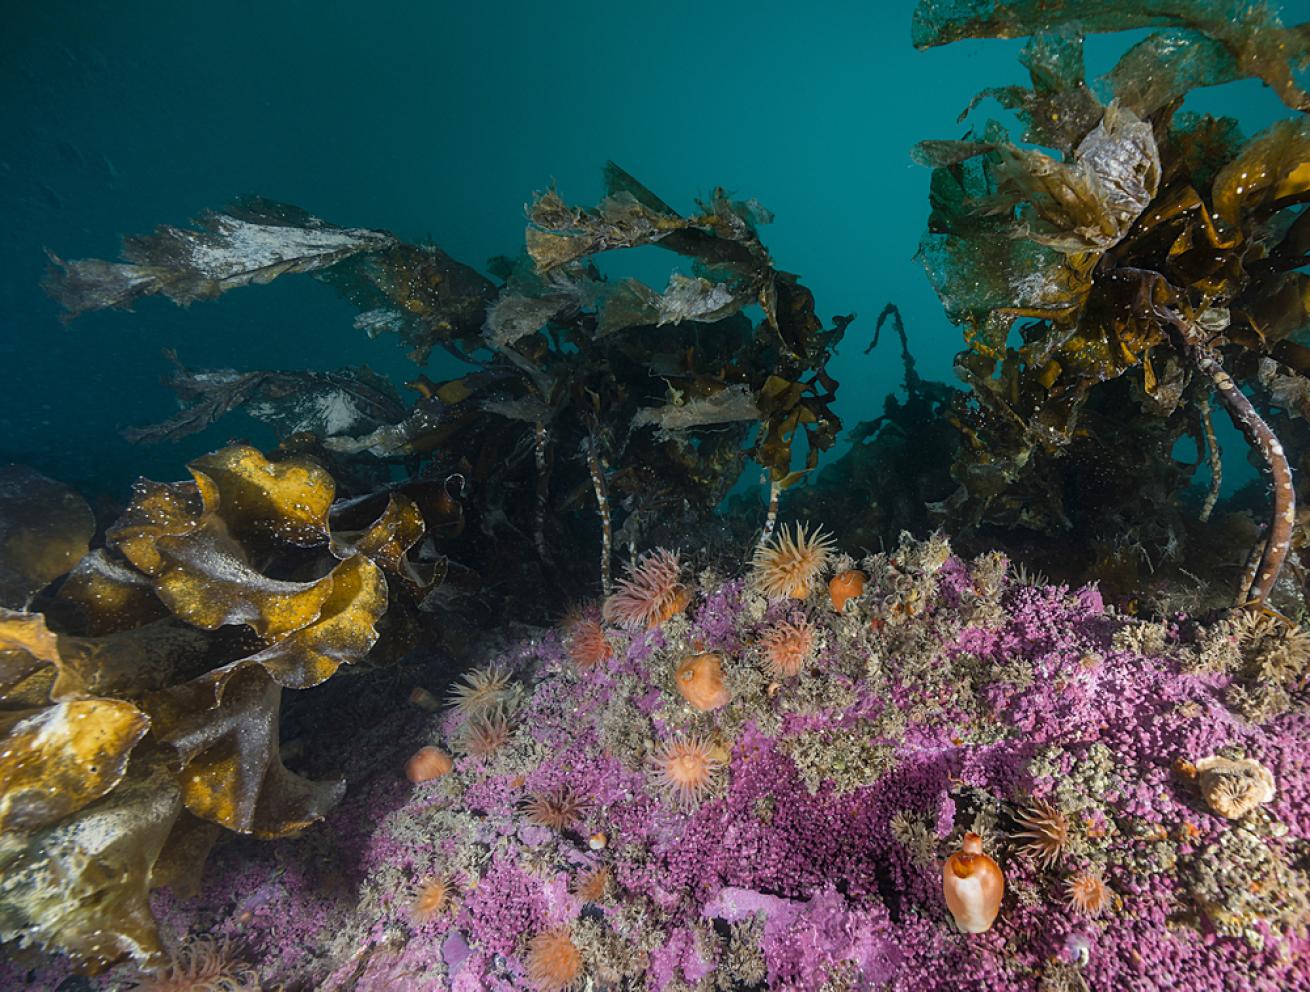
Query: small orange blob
[
  {"x": 426, "y": 764},
  {"x": 845, "y": 586},
  {"x": 973, "y": 886},
  {"x": 424, "y": 700},
  {"x": 700, "y": 680}
]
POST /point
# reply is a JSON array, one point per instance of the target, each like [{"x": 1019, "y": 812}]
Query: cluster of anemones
[{"x": 486, "y": 699}]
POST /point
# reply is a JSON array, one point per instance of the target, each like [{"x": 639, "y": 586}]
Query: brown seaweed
[{"x": 124, "y": 704}]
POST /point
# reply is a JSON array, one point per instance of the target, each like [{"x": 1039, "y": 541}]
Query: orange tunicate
[
  {"x": 847, "y": 585},
  {"x": 700, "y": 680},
  {"x": 973, "y": 886},
  {"x": 428, "y": 763}
]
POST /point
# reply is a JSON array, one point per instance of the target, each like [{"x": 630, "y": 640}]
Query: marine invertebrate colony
[{"x": 809, "y": 838}]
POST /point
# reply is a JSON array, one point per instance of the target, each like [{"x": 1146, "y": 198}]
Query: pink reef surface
[{"x": 949, "y": 698}]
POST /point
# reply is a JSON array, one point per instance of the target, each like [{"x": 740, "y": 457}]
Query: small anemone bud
[
  {"x": 426, "y": 764},
  {"x": 424, "y": 700},
  {"x": 973, "y": 885},
  {"x": 845, "y": 586},
  {"x": 700, "y": 680}
]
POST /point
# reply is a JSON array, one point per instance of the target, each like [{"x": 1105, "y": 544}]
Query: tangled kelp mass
[
  {"x": 136, "y": 722},
  {"x": 755, "y": 761}
]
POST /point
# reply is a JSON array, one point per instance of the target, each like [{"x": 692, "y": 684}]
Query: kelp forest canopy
[
  {"x": 582, "y": 390},
  {"x": 1120, "y": 275}
]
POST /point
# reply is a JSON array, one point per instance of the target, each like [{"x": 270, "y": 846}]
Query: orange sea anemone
[
  {"x": 201, "y": 965},
  {"x": 554, "y": 963},
  {"x": 650, "y": 593},
  {"x": 700, "y": 680},
  {"x": 483, "y": 736},
  {"x": 844, "y": 587},
  {"x": 433, "y": 898},
  {"x": 792, "y": 563},
  {"x": 427, "y": 763},
  {"x": 1087, "y": 893},
  {"x": 482, "y": 689},
  {"x": 593, "y": 886},
  {"x": 1046, "y": 832},
  {"x": 585, "y": 641},
  {"x": 558, "y": 808},
  {"x": 973, "y": 885},
  {"x": 686, "y": 770},
  {"x": 787, "y": 647}
]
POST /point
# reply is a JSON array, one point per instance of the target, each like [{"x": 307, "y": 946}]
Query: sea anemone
[
  {"x": 558, "y": 808},
  {"x": 553, "y": 963},
  {"x": 426, "y": 764},
  {"x": 1234, "y": 788},
  {"x": 483, "y": 689},
  {"x": 593, "y": 885},
  {"x": 972, "y": 884},
  {"x": 686, "y": 770},
  {"x": 202, "y": 965},
  {"x": 699, "y": 679},
  {"x": 787, "y": 647},
  {"x": 1046, "y": 832},
  {"x": 1087, "y": 893},
  {"x": 432, "y": 898},
  {"x": 483, "y": 736},
  {"x": 650, "y": 593},
  {"x": 844, "y": 587},
  {"x": 792, "y": 563},
  {"x": 585, "y": 641}
]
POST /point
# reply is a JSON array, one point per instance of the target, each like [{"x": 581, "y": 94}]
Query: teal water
[{"x": 439, "y": 120}]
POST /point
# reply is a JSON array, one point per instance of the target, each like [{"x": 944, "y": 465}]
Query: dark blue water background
[{"x": 439, "y": 120}]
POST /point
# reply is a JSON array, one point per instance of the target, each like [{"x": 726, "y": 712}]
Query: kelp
[
  {"x": 128, "y": 708},
  {"x": 1221, "y": 40},
  {"x": 252, "y": 241},
  {"x": 1157, "y": 247},
  {"x": 44, "y": 528},
  {"x": 580, "y": 385},
  {"x": 346, "y": 401}
]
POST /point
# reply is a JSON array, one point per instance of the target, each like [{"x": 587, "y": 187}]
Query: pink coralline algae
[{"x": 949, "y": 699}]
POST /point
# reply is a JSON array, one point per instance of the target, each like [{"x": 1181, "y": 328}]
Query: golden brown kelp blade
[
  {"x": 127, "y": 664},
  {"x": 45, "y": 528}
]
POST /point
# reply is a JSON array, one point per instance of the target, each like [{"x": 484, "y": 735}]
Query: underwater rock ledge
[{"x": 610, "y": 824}]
